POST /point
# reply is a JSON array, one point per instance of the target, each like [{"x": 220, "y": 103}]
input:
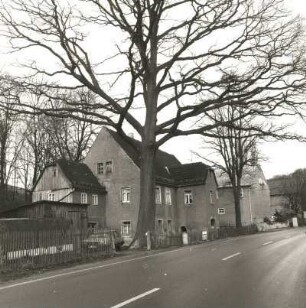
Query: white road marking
[
  {"x": 267, "y": 243},
  {"x": 232, "y": 256},
  {"x": 133, "y": 299},
  {"x": 87, "y": 269}
]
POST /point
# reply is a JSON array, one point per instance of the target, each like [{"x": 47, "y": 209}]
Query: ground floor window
[
  {"x": 91, "y": 226},
  {"x": 126, "y": 229},
  {"x": 159, "y": 227},
  {"x": 169, "y": 226}
]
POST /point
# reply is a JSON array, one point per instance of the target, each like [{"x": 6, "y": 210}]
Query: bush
[{"x": 267, "y": 220}]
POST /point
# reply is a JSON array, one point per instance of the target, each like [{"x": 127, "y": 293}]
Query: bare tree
[
  {"x": 234, "y": 148},
  {"x": 171, "y": 56},
  {"x": 294, "y": 190}
]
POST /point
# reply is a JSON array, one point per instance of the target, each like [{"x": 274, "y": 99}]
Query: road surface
[{"x": 257, "y": 271}]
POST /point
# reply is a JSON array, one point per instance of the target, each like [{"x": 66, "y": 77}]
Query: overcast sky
[{"x": 282, "y": 157}]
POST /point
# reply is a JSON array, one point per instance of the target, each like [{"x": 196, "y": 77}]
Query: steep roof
[
  {"x": 132, "y": 148},
  {"x": 80, "y": 176},
  {"x": 190, "y": 174},
  {"x": 168, "y": 168}
]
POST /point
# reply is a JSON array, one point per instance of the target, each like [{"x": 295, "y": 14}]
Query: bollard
[{"x": 148, "y": 234}]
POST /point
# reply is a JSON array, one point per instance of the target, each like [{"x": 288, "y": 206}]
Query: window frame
[
  {"x": 108, "y": 166},
  {"x": 123, "y": 193},
  {"x": 221, "y": 211},
  {"x": 169, "y": 224},
  {"x": 126, "y": 223},
  {"x": 84, "y": 198},
  {"x": 158, "y": 196},
  {"x": 168, "y": 201},
  {"x": 99, "y": 165},
  {"x": 160, "y": 226},
  {"x": 95, "y": 199},
  {"x": 211, "y": 200},
  {"x": 188, "y": 197},
  {"x": 53, "y": 196}
]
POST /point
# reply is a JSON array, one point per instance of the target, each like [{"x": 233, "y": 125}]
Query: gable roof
[
  {"x": 80, "y": 176},
  {"x": 168, "y": 168},
  {"x": 132, "y": 148},
  {"x": 190, "y": 174}
]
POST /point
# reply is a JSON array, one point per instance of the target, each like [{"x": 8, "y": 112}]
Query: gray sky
[{"x": 282, "y": 157}]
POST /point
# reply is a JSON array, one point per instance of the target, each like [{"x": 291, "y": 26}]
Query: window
[
  {"x": 51, "y": 197},
  {"x": 100, "y": 168},
  {"x": 126, "y": 194},
  {"x": 168, "y": 196},
  {"x": 217, "y": 195},
  {"x": 188, "y": 197},
  {"x": 221, "y": 211},
  {"x": 211, "y": 197},
  {"x": 83, "y": 198},
  {"x": 95, "y": 199},
  {"x": 159, "y": 226},
  {"x": 169, "y": 227},
  {"x": 92, "y": 226},
  {"x": 55, "y": 172},
  {"x": 241, "y": 192},
  {"x": 157, "y": 195},
  {"x": 109, "y": 167},
  {"x": 126, "y": 228}
]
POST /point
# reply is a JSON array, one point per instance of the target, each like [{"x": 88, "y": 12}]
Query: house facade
[
  {"x": 185, "y": 195},
  {"x": 255, "y": 202},
  {"x": 70, "y": 182}
]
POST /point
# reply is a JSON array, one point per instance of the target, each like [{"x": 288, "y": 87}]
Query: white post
[{"x": 148, "y": 234}]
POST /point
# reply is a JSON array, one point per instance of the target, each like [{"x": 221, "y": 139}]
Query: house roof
[
  {"x": 80, "y": 176},
  {"x": 252, "y": 175},
  {"x": 132, "y": 148},
  {"x": 168, "y": 168},
  {"x": 190, "y": 174}
]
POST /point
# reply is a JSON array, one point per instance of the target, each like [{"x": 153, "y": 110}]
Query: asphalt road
[{"x": 257, "y": 271}]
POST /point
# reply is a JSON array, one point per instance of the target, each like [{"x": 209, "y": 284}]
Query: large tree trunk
[
  {"x": 146, "y": 214},
  {"x": 236, "y": 192}
]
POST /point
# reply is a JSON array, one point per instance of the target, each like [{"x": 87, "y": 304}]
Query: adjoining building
[
  {"x": 255, "y": 202},
  {"x": 72, "y": 182}
]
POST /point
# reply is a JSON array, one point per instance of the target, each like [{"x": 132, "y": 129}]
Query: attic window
[
  {"x": 109, "y": 167},
  {"x": 55, "y": 172},
  {"x": 100, "y": 168}
]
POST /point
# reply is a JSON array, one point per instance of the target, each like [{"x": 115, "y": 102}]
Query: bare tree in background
[
  {"x": 171, "y": 56},
  {"x": 294, "y": 190},
  {"x": 48, "y": 139},
  {"x": 234, "y": 148}
]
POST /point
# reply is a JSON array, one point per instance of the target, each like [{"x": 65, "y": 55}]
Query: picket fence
[{"x": 35, "y": 249}]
